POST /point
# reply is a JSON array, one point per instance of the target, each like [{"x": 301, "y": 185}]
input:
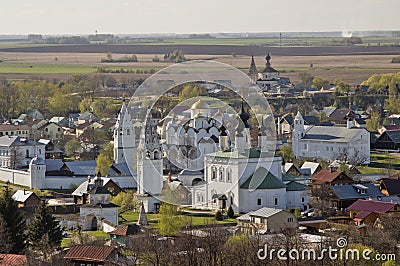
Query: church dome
[
  {"x": 200, "y": 105},
  {"x": 244, "y": 116}
]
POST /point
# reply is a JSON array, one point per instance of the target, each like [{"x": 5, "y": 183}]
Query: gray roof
[
  {"x": 351, "y": 191},
  {"x": 310, "y": 165},
  {"x": 22, "y": 195},
  {"x": 337, "y": 134},
  {"x": 263, "y": 212},
  {"x": 84, "y": 168},
  {"x": 85, "y": 187},
  {"x": 54, "y": 165},
  {"x": 8, "y": 140}
]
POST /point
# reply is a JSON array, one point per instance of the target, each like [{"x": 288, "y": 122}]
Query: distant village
[{"x": 311, "y": 181}]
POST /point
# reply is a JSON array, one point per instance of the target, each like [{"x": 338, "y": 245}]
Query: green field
[
  {"x": 34, "y": 68},
  {"x": 132, "y": 217},
  {"x": 381, "y": 163}
]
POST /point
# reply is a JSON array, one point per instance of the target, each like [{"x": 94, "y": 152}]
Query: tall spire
[
  {"x": 142, "y": 217},
  {"x": 252, "y": 68}
]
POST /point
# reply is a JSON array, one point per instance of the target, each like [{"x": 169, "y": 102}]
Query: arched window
[
  {"x": 228, "y": 175},
  {"x": 213, "y": 173},
  {"x": 221, "y": 174},
  {"x": 128, "y": 131}
]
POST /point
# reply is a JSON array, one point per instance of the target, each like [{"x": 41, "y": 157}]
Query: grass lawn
[
  {"x": 132, "y": 217},
  {"x": 380, "y": 163},
  {"x": 98, "y": 234}
]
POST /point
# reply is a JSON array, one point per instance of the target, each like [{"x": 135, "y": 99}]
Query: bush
[
  {"x": 219, "y": 216},
  {"x": 230, "y": 212}
]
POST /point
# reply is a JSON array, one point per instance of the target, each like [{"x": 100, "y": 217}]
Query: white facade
[
  {"x": 16, "y": 152},
  {"x": 330, "y": 143}
]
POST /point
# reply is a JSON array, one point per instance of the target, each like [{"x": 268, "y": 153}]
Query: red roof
[
  {"x": 12, "y": 259},
  {"x": 125, "y": 230},
  {"x": 363, "y": 214},
  {"x": 89, "y": 253},
  {"x": 325, "y": 176},
  {"x": 371, "y": 206},
  {"x": 4, "y": 127}
]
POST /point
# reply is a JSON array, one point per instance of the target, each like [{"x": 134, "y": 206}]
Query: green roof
[
  {"x": 262, "y": 179},
  {"x": 296, "y": 186}
]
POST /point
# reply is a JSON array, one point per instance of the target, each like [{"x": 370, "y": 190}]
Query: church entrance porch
[{"x": 221, "y": 198}]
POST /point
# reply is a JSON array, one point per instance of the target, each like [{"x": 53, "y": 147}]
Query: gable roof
[
  {"x": 310, "y": 165},
  {"x": 352, "y": 191},
  {"x": 296, "y": 186},
  {"x": 6, "y": 127},
  {"x": 89, "y": 253},
  {"x": 22, "y": 195},
  {"x": 339, "y": 114},
  {"x": 264, "y": 212},
  {"x": 391, "y": 185},
  {"x": 327, "y": 176},
  {"x": 87, "y": 186},
  {"x": 125, "y": 230},
  {"x": 12, "y": 259},
  {"x": 371, "y": 206},
  {"x": 394, "y": 135},
  {"x": 327, "y": 133},
  {"x": 262, "y": 179},
  {"x": 82, "y": 168}
]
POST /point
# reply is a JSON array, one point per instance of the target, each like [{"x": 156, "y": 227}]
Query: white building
[
  {"x": 98, "y": 208},
  {"x": 17, "y": 152},
  {"x": 246, "y": 179},
  {"x": 329, "y": 143}
]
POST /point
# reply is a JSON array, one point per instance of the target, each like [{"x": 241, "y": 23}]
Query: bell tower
[
  {"x": 124, "y": 140},
  {"x": 150, "y": 161}
]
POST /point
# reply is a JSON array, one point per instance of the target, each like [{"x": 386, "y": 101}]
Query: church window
[
  {"x": 231, "y": 200},
  {"x": 128, "y": 131},
  {"x": 221, "y": 175},
  {"x": 276, "y": 201},
  {"x": 213, "y": 173},
  {"x": 290, "y": 220},
  {"x": 302, "y": 199},
  {"x": 228, "y": 175},
  {"x": 331, "y": 148},
  {"x": 259, "y": 201},
  {"x": 120, "y": 131}
]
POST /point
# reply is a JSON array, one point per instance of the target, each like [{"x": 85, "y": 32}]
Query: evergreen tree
[
  {"x": 219, "y": 216},
  {"x": 230, "y": 213},
  {"x": 14, "y": 220},
  {"x": 44, "y": 232},
  {"x": 5, "y": 240}
]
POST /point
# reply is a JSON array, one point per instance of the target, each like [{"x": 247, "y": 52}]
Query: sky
[{"x": 201, "y": 16}]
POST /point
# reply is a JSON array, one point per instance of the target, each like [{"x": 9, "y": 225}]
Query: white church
[{"x": 232, "y": 172}]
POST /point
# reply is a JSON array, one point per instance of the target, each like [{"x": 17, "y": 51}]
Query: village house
[
  {"x": 84, "y": 255},
  {"x": 22, "y": 131},
  {"x": 26, "y": 198},
  {"x": 49, "y": 130},
  {"x": 266, "y": 220},
  {"x": 330, "y": 177},
  {"x": 370, "y": 212},
  {"x": 86, "y": 117},
  {"x": 13, "y": 260},
  {"x": 388, "y": 140},
  {"x": 343, "y": 196},
  {"x": 123, "y": 232},
  {"x": 81, "y": 193},
  {"x": 390, "y": 186},
  {"x": 16, "y": 152}
]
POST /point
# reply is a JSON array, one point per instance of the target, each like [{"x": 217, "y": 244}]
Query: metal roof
[
  {"x": 89, "y": 253},
  {"x": 354, "y": 191},
  {"x": 22, "y": 195},
  {"x": 336, "y": 134},
  {"x": 262, "y": 179}
]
